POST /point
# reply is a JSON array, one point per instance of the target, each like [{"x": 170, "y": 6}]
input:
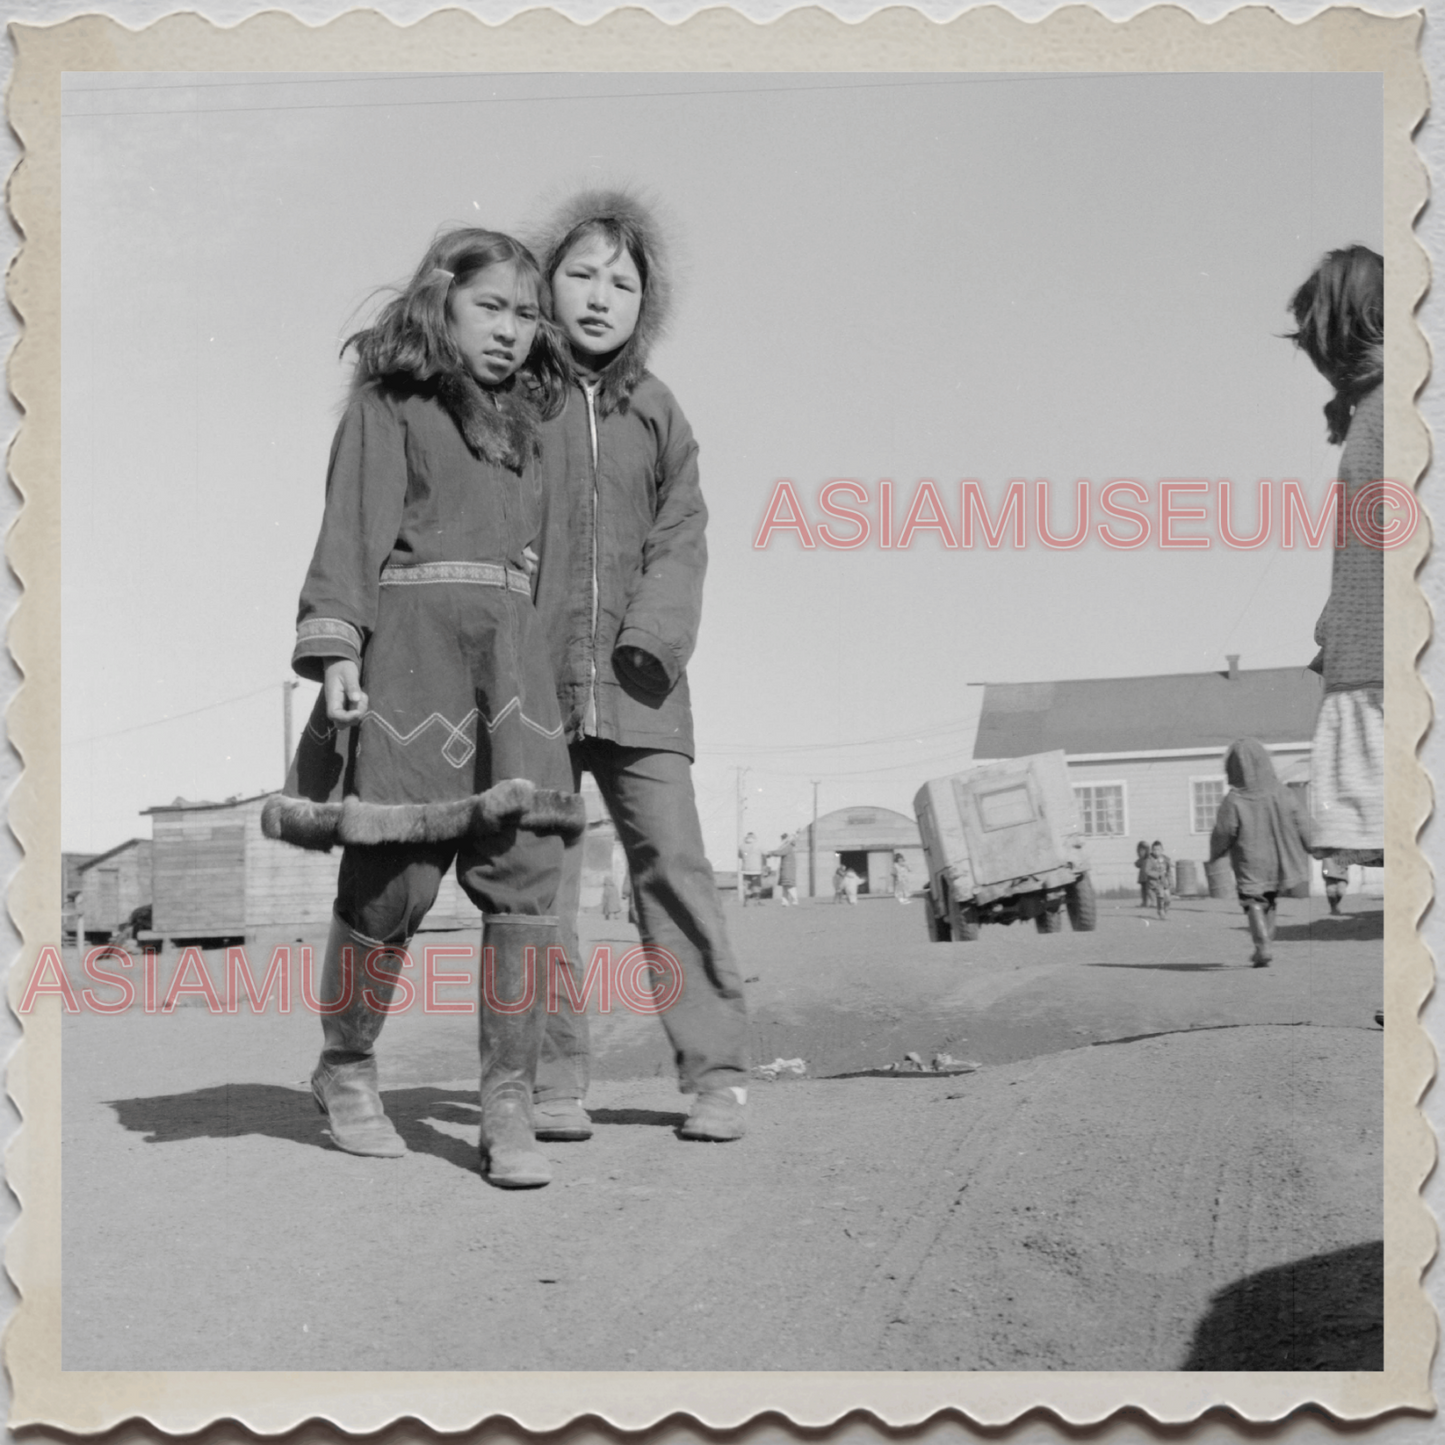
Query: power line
[{"x": 170, "y": 717}]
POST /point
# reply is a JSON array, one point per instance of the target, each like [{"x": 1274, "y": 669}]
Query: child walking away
[
  {"x": 1157, "y": 877},
  {"x": 436, "y": 737},
  {"x": 620, "y": 593},
  {"x": 1267, "y": 839}
]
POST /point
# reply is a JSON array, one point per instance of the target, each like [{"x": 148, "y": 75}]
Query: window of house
[
  {"x": 1206, "y": 795},
  {"x": 1101, "y": 809}
]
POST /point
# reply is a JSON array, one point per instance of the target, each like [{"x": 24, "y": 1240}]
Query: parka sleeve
[
  {"x": 365, "y": 495},
  {"x": 665, "y": 609},
  {"x": 1226, "y": 828}
]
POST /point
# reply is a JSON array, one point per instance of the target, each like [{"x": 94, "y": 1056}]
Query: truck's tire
[
  {"x": 1082, "y": 905},
  {"x": 938, "y": 929},
  {"x": 965, "y": 923},
  {"x": 1050, "y": 920}
]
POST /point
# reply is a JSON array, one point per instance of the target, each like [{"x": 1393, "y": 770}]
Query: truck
[{"x": 1003, "y": 843}]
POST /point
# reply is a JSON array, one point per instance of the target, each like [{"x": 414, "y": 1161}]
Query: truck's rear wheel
[
  {"x": 1050, "y": 919},
  {"x": 938, "y": 929},
  {"x": 965, "y": 923},
  {"x": 1082, "y": 905}
]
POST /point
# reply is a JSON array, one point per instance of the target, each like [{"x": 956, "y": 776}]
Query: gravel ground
[{"x": 1164, "y": 1159}]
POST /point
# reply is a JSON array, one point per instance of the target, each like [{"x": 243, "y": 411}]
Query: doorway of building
[{"x": 857, "y": 860}]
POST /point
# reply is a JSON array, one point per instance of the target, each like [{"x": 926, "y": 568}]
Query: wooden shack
[
  {"x": 70, "y": 884},
  {"x": 216, "y": 875},
  {"x": 112, "y": 886}
]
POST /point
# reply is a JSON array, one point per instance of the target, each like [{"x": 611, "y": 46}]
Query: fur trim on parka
[
  {"x": 515, "y": 802},
  {"x": 500, "y": 427},
  {"x": 629, "y": 366}
]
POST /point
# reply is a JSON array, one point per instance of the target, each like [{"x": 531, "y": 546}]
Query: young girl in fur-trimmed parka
[
  {"x": 436, "y": 737},
  {"x": 619, "y": 590}
]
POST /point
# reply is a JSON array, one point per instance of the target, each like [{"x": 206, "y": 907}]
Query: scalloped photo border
[{"x": 1074, "y": 39}]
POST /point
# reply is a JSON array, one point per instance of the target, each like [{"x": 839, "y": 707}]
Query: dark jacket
[
  {"x": 1260, "y": 825},
  {"x": 623, "y": 557}
]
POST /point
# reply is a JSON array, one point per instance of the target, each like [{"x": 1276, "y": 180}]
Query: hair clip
[{"x": 442, "y": 271}]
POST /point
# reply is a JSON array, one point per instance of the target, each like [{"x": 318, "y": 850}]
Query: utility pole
[
  {"x": 742, "y": 812},
  {"x": 287, "y": 688},
  {"x": 813, "y": 846}
]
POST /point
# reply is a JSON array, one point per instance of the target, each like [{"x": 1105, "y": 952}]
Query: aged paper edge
[{"x": 1162, "y": 39}]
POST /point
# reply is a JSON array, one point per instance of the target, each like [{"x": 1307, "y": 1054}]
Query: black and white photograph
[{"x": 723, "y": 722}]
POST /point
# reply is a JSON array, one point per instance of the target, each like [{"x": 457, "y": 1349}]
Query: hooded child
[
  {"x": 1262, "y": 829},
  {"x": 619, "y": 590}
]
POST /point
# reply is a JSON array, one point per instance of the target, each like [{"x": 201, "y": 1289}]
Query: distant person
[
  {"x": 787, "y": 856},
  {"x": 851, "y": 882},
  {"x": 840, "y": 893},
  {"x": 1339, "y": 316},
  {"x": 417, "y": 605},
  {"x": 611, "y": 898},
  {"x": 1157, "y": 870},
  {"x": 902, "y": 878},
  {"x": 1337, "y": 880},
  {"x": 751, "y": 859},
  {"x": 1141, "y": 859},
  {"x": 1260, "y": 827}
]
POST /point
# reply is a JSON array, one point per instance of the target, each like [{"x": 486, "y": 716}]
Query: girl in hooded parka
[
  {"x": 1267, "y": 838},
  {"x": 619, "y": 589},
  {"x": 436, "y": 737}
]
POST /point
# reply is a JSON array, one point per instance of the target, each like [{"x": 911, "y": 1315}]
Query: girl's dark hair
[
  {"x": 1340, "y": 316},
  {"x": 410, "y": 339}
]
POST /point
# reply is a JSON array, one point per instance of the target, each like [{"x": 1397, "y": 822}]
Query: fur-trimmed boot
[
  {"x": 345, "y": 1079},
  {"x": 1259, "y": 930},
  {"x": 513, "y": 1015}
]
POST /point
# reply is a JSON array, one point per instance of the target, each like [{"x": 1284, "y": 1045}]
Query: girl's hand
[
  {"x": 641, "y": 669},
  {"x": 345, "y": 701},
  {"x": 529, "y": 561}
]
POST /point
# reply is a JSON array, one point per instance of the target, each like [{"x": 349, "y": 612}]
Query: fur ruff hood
[
  {"x": 515, "y": 802},
  {"x": 629, "y": 366}
]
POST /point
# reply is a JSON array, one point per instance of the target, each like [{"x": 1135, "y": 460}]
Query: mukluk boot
[
  {"x": 513, "y": 1015},
  {"x": 1259, "y": 930},
  {"x": 344, "y": 1082}
]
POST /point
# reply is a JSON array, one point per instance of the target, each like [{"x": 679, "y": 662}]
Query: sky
[{"x": 881, "y": 277}]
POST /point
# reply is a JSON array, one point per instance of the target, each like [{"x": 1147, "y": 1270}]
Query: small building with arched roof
[{"x": 865, "y": 838}]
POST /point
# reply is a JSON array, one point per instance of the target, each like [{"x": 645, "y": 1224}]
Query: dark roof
[
  {"x": 93, "y": 858},
  {"x": 188, "y": 805},
  {"x": 1148, "y": 714}
]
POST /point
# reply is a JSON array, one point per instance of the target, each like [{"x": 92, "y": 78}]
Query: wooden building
[
  {"x": 112, "y": 886},
  {"x": 70, "y": 882},
  {"x": 216, "y": 875},
  {"x": 1146, "y": 754}
]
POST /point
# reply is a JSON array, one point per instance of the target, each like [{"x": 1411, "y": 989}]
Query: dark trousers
[
  {"x": 649, "y": 794},
  {"x": 384, "y": 890}
]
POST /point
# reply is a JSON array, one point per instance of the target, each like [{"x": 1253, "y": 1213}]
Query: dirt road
[{"x": 1166, "y": 1160}]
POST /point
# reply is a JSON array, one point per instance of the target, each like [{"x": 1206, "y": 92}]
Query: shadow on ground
[
  {"x": 231, "y": 1111},
  {"x": 1322, "y": 1313},
  {"x": 1338, "y": 928}
]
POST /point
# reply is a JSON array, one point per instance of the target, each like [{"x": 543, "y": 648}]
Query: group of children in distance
[{"x": 506, "y": 591}]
